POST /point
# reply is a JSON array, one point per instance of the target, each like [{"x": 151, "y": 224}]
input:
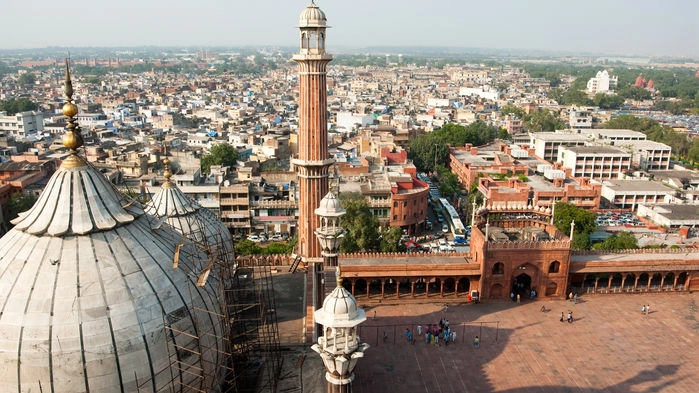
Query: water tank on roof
[
  {"x": 554, "y": 174},
  {"x": 520, "y": 153}
]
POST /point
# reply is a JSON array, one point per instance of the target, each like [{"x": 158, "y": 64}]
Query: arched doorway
[
  {"x": 464, "y": 285},
  {"x": 522, "y": 285}
]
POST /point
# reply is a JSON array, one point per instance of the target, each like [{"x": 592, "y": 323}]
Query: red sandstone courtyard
[{"x": 611, "y": 347}]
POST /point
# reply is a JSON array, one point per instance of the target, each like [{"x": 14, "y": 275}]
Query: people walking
[
  {"x": 575, "y": 299},
  {"x": 570, "y": 297},
  {"x": 562, "y": 316},
  {"x": 476, "y": 342},
  {"x": 643, "y": 309},
  {"x": 647, "y": 309},
  {"x": 409, "y": 335},
  {"x": 570, "y": 317},
  {"x": 518, "y": 297},
  {"x": 419, "y": 330}
]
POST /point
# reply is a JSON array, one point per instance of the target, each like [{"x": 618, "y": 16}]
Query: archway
[
  {"x": 497, "y": 291},
  {"x": 464, "y": 285},
  {"x": 551, "y": 289},
  {"x": 359, "y": 287},
  {"x": 522, "y": 285}
]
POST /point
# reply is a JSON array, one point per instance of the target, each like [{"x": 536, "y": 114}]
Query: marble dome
[
  {"x": 312, "y": 16},
  {"x": 90, "y": 299}
]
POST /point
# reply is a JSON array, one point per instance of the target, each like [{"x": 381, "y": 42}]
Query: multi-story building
[
  {"x": 546, "y": 144},
  {"x": 602, "y": 82},
  {"x": 628, "y": 194},
  {"x": 579, "y": 118},
  {"x": 22, "y": 124},
  {"x": 235, "y": 206},
  {"x": 595, "y": 162}
]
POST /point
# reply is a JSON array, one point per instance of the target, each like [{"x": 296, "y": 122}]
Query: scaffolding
[{"x": 229, "y": 343}]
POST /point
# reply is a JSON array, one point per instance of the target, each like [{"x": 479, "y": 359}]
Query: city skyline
[{"x": 616, "y": 28}]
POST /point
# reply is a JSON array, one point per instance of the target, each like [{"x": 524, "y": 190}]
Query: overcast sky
[{"x": 622, "y": 27}]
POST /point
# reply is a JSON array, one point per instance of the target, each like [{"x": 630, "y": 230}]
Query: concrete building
[
  {"x": 22, "y": 124},
  {"x": 628, "y": 194},
  {"x": 602, "y": 82},
  {"x": 579, "y": 118},
  {"x": 595, "y": 162},
  {"x": 670, "y": 215},
  {"x": 546, "y": 144}
]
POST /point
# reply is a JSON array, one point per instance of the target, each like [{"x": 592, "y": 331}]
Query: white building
[
  {"x": 348, "y": 120},
  {"x": 485, "y": 92},
  {"x": 579, "y": 118},
  {"x": 595, "y": 162},
  {"x": 602, "y": 82},
  {"x": 22, "y": 124}
]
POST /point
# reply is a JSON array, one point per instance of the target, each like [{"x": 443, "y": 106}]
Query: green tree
[
  {"x": 247, "y": 247},
  {"x": 654, "y": 131},
  {"x": 13, "y": 106},
  {"x": 26, "y": 79},
  {"x": 608, "y": 101},
  {"x": 585, "y": 223},
  {"x": 514, "y": 110},
  {"x": 220, "y": 154},
  {"x": 361, "y": 226},
  {"x": 634, "y": 93},
  {"x": 621, "y": 241},
  {"x": 575, "y": 97},
  {"x": 18, "y": 203},
  {"x": 391, "y": 240},
  {"x": 543, "y": 120}
]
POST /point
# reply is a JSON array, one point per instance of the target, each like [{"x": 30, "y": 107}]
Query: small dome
[
  {"x": 330, "y": 206},
  {"x": 340, "y": 310},
  {"x": 312, "y": 16},
  {"x": 189, "y": 218}
]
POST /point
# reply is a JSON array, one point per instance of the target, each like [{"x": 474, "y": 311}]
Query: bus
[{"x": 454, "y": 221}]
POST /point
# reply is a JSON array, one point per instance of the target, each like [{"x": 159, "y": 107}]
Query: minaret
[{"x": 312, "y": 163}]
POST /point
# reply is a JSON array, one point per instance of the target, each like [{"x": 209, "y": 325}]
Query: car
[
  {"x": 263, "y": 237},
  {"x": 445, "y": 228},
  {"x": 254, "y": 238},
  {"x": 428, "y": 224},
  {"x": 275, "y": 238},
  {"x": 285, "y": 236}
]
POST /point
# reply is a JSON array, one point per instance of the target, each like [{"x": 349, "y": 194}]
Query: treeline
[{"x": 678, "y": 87}]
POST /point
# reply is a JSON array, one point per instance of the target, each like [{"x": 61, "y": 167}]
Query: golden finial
[
  {"x": 72, "y": 138},
  {"x": 339, "y": 277},
  {"x": 166, "y": 162}
]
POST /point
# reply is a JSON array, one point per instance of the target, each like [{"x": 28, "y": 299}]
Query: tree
[
  {"x": 622, "y": 241},
  {"x": 361, "y": 226},
  {"x": 247, "y": 247},
  {"x": 543, "y": 120},
  {"x": 18, "y": 203},
  {"x": 220, "y": 154},
  {"x": 391, "y": 240},
  {"x": 608, "y": 101},
  {"x": 13, "y": 106},
  {"x": 575, "y": 97},
  {"x": 635, "y": 93},
  {"x": 585, "y": 223},
  {"x": 26, "y": 79}
]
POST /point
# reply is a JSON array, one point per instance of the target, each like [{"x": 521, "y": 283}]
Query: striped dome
[{"x": 90, "y": 300}]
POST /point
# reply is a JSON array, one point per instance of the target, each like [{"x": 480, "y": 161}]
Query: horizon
[{"x": 621, "y": 28}]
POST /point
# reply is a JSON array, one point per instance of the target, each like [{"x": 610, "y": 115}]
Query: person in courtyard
[
  {"x": 512, "y": 296},
  {"x": 562, "y": 316},
  {"x": 643, "y": 309},
  {"x": 419, "y": 330},
  {"x": 575, "y": 299},
  {"x": 518, "y": 297},
  {"x": 476, "y": 342},
  {"x": 570, "y": 296},
  {"x": 647, "y": 309},
  {"x": 570, "y": 317},
  {"x": 453, "y": 336},
  {"x": 409, "y": 335}
]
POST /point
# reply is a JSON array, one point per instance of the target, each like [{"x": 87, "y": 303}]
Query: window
[
  {"x": 499, "y": 268},
  {"x": 554, "y": 267}
]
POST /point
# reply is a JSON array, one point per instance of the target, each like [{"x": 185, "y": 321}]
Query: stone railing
[
  {"x": 530, "y": 245},
  {"x": 638, "y": 251},
  {"x": 391, "y": 255}
]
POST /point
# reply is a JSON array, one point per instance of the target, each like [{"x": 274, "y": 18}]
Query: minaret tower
[{"x": 312, "y": 163}]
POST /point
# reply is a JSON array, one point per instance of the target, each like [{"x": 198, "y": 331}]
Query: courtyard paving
[{"x": 610, "y": 347}]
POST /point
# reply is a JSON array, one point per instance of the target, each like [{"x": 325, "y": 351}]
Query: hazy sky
[{"x": 645, "y": 27}]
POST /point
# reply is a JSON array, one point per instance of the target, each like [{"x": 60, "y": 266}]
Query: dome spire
[
  {"x": 72, "y": 138},
  {"x": 166, "y": 173}
]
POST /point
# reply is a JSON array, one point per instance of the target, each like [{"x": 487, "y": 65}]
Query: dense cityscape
[{"x": 390, "y": 175}]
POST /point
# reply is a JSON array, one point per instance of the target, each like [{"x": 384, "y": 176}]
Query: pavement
[{"x": 610, "y": 347}]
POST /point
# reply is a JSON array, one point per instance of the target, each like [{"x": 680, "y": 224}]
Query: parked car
[
  {"x": 254, "y": 238},
  {"x": 445, "y": 228}
]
